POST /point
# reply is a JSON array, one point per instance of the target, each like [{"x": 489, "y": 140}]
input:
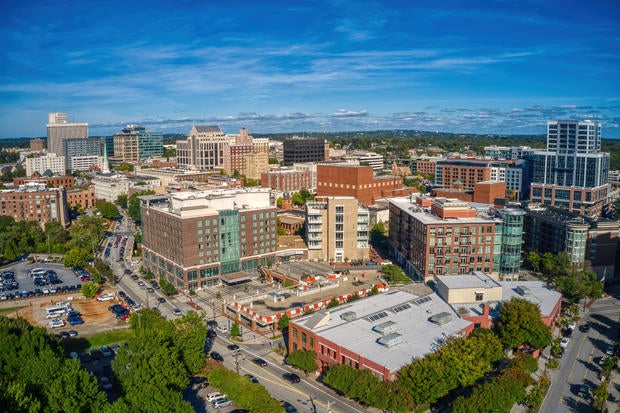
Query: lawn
[
  {"x": 10, "y": 309},
  {"x": 83, "y": 343}
]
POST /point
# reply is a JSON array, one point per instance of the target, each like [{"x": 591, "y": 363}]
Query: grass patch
[
  {"x": 81, "y": 344},
  {"x": 11, "y": 309}
]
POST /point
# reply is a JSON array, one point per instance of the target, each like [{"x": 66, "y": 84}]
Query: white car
[
  {"x": 214, "y": 395},
  {"x": 177, "y": 312},
  {"x": 222, "y": 329},
  {"x": 222, "y": 403},
  {"x": 57, "y": 323},
  {"x": 564, "y": 342},
  {"x": 572, "y": 325},
  {"x": 105, "y": 297}
]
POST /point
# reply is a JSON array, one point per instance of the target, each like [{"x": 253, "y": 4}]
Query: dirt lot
[{"x": 95, "y": 314}]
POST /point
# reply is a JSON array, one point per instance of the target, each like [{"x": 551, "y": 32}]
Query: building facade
[
  {"x": 441, "y": 237},
  {"x": 81, "y": 198},
  {"x": 134, "y": 144},
  {"x": 203, "y": 149},
  {"x": 358, "y": 182},
  {"x": 286, "y": 180},
  {"x": 89, "y": 152},
  {"x": 372, "y": 159},
  {"x": 337, "y": 229},
  {"x": 49, "y": 162},
  {"x": 301, "y": 150},
  {"x": 109, "y": 186},
  {"x": 572, "y": 172},
  {"x": 37, "y": 145},
  {"x": 35, "y": 202},
  {"x": 58, "y": 130},
  {"x": 66, "y": 181},
  {"x": 196, "y": 239},
  {"x": 553, "y": 230}
]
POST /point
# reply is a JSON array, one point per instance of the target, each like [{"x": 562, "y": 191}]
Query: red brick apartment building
[
  {"x": 358, "y": 182},
  {"x": 35, "y": 202},
  {"x": 286, "y": 180},
  {"x": 446, "y": 238},
  {"x": 67, "y": 181}
]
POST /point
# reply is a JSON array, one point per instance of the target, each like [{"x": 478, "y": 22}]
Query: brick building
[
  {"x": 440, "y": 237},
  {"x": 358, "y": 182},
  {"x": 37, "y": 145},
  {"x": 382, "y": 333},
  {"x": 197, "y": 239},
  {"x": 67, "y": 181},
  {"x": 286, "y": 180},
  {"x": 35, "y": 202},
  {"x": 487, "y": 192},
  {"x": 82, "y": 198}
]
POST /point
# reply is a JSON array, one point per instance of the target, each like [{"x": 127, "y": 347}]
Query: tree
[
  {"x": 134, "y": 205},
  {"x": 534, "y": 260},
  {"x": 600, "y": 395},
  {"x": 189, "y": 334},
  {"x": 394, "y": 274},
  {"x": 121, "y": 201},
  {"x": 108, "y": 209},
  {"x": 333, "y": 303},
  {"x": 283, "y": 322},
  {"x": 245, "y": 394},
  {"x": 76, "y": 257},
  {"x": 90, "y": 289},
  {"x": 235, "y": 330},
  {"x": 167, "y": 287},
  {"x": 125, "y": 166},
  {"x": 520, "y": 324},
  {"x": 304, "y": 360}
]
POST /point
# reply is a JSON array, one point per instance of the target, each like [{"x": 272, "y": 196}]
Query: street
[{"x": 580, "y": 362}]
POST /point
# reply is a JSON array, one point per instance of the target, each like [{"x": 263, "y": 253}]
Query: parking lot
[{"x": 58, "y": 280}]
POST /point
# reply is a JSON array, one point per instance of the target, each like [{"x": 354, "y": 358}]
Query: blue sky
[{"x": 284, "y": 66}]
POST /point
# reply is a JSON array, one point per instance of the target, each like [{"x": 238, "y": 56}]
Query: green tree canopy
[
  {"x": 303, "y": 359},
  {"x": 520, "y": 324},
  {"x": 108, "y": 209}
]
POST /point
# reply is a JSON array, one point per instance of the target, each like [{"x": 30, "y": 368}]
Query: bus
[{"x": 56, "y": 311}]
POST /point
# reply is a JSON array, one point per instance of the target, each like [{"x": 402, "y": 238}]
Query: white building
[
  {"x": 109, "y": 187},
  {"x": 56, "y": 164},
  {"x": 203, "y": 149},
  {"x": 371, "y": 158},
  {"x": 86, "y": 162},
  {"x": 58, "y": 130}
]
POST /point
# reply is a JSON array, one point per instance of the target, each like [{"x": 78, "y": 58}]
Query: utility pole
[
  {"x": 329, "y": 404},
  {"x": 236, "y": 355}
]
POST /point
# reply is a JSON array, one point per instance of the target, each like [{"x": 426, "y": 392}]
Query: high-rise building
[
  {"x": 298, "y": 149},
  {"x": 196, "y": 239},
  {"x": 203, "y": 149},
  {"x": 572, "y": 172},
  {"x": 134, "y": 143},
  {"x": 58, "y": 130},
  {"x": 81, "y": 154},
  {"x": 37, "y": 145},
  {"x": 246, "y": 155},
  {"x": 337, "y": 229},
  {"x": 508, "y": 242}
]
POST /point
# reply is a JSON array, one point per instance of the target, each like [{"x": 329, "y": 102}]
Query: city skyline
[{"x": 321, "y": 66}]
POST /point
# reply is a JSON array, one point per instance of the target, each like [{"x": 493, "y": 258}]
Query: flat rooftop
[
  {"x": 477, "y": 279},
  {"x": 356, "y": 326}
]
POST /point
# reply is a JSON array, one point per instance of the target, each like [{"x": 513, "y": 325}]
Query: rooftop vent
[
  {"x": 390, "y": 340},
  {"x": 385, "y": 328},
  {"x": 523, "y": 290},
  {"x": 348, "y": 316},
  {"x": 441, "y": 318}
]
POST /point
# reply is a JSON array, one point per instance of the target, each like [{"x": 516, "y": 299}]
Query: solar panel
[
  {"x": 422, "y": 300},
  {"x": 377, "y": 316},
  {"x": 401, "y": 307}
]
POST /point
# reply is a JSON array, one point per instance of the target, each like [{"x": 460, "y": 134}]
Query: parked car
[
  {"x": 564, "y": 342},
  {"x": 610, "y": 350},
  {"x": 85, "y": 357},
  {"x": 105, "y": 383},
  {"x": 161, "y": 300},
  {"x": 73, "y": 333},
  {"x": 222, "y": 403},
  {"x": 216, "y": 356},
  {"x": 57, "y": 322},
  {"x": 106, "y": 351},
  {"x": 214, "y": 395},
  {"x": 176, "y": 312}
]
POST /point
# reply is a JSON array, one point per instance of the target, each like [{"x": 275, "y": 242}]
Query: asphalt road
[{"x": 580, "y": 363}]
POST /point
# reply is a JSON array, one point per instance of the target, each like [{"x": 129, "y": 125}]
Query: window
[
  {"x": 479, "y": 296},
  {"x": 294, "y": 333}
]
